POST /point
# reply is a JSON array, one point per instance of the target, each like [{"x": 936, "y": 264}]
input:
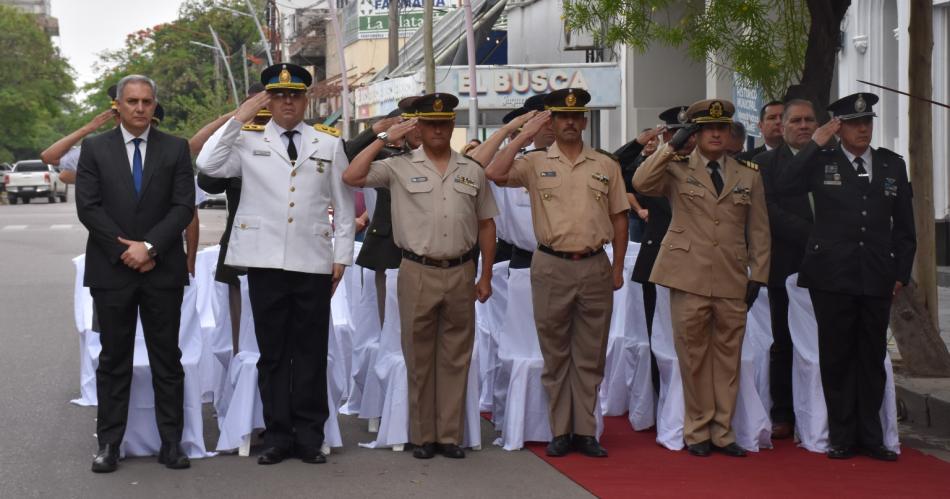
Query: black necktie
[
  {"x": 716, "y": 178},
  {"x": 291, "y": 148},
  {"x": 863, "y": 178}
]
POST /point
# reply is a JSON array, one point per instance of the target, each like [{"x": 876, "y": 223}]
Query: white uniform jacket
[{"x": 282, "y": 221}]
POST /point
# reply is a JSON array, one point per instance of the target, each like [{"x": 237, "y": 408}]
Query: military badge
[
  {"x": 682, "y": 117},
  {"x": 890, "y": 187},
  {"x": 860, "y": 105},
  {"x": 284, "y": 75},
  {"x": 715, "y": 110},
  {"x": 832, "y": 177},
  {"x": 438, "y": 105},
  {"x": 551, "y": 173},
  {"x": 570, "y": 100},
  {"x": 600, "y": 177},
  {"x": 693, "y": 181},
  {"x": 465, "y": 181}
]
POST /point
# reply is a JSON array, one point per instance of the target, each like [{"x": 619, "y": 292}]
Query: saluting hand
[
  {"x": 516, "y": 124},
  {"x": 385, "y": 124},
  {"x": 250, "y": 107},
  {"x": 399, "y": 131},
  {"x": 647, "y": 135},
  {"x": 826, "y": 132},
  {"x": 100, "y": 119},
  {"x": 535, "y": 124}
]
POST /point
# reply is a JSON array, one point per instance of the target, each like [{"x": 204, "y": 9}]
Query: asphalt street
[{"x": 48, "y": 443}]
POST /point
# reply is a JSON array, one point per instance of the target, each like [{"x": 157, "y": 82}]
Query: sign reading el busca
[{"x": 507, "y": 87}]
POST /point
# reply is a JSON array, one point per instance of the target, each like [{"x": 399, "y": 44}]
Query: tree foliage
[
  {"x": 188, "y": 87},
  {"x": 35, "y": 86},
  {"x": 764, "y": 41}
]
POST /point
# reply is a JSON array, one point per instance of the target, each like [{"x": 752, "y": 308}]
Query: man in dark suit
[
  {"x": 770, "y": 126},
  {"x": 135, "y": 194},
  {"x": 858, "y": 256},
  {"x": 790, "y": 220}
]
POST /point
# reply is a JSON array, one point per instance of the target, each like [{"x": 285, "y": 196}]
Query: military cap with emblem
[
  {"x": 674, "y": 117},
  {"x": 533, "y": 103},
  {"x": 711, "y": 111},
  {"x": 159, "y": 114},
  {"x": 407, "y": 107},
  {"x": 853, "y": 106},
  {"x": 567, "y": 100},
  {"x": 437, "y": 106},
  {"x": 285, "y": 76},
  {"x": 112, "y": 91}
]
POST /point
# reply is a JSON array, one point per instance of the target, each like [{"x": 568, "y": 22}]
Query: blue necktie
[{"x": 137, "y": 167}]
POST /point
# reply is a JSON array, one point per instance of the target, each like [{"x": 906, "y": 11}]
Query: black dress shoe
[
  {"x": 173, "y": 457},
  {"x": 840, "y": 452},
  {"x": 701, "y": 449},
  {"x": 452, "y": 451},
  {"x": 881, "y": 453},
  {"x": 731, "y": 450},
  {"x": 311, "y": 454},
  {"x": 272, "y": 455},
  {"x": 559, "y": 446},
  {"x": 107, "y": 459},
  {"x": 589, "y": 446},
  {"x": 424, "y": 451}
]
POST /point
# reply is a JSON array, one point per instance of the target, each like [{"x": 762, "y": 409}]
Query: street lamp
[
  {"x": 227, "y": 63},
  {"x": 257, "y": 22}
]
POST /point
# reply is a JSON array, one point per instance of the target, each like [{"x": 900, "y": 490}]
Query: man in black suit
[
  {"x": 790, "y": 219},
  {"x": 858, "y": 256},
  {"x": 135, "y": 194},
  {"x": 770, "y": 126}
]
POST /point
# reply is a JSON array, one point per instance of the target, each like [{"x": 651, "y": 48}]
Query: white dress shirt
[
  {"x": 130, "y": 146},
  {"x": 866, "y": 157},
  {"x": 297, "y": 136}
]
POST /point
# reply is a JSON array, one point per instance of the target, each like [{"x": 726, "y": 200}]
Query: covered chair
[{"x": 808, "y": 395}]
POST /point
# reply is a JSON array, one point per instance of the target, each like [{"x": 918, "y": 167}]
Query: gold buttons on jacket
[
  {"x": 291, "y": 204},
  {"x": 716, "y": 221},
  {"x": 293, "y": 173},
  {"x": 290, "y": 220},
  {"x": 243, "y": 226},
  {"x": 292, "y": 188}
]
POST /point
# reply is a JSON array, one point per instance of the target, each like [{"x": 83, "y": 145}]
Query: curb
[{"x": 924, "y": 403}]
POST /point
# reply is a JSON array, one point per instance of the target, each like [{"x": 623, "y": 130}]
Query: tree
[
  {"x": 36, "y": 86},
  {"x": 185, "y": 73},
  {"x": 770, "y": 43}
]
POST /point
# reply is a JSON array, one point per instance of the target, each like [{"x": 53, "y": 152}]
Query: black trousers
[
  {"x": 780, "y": 358},
  {"x": 117, "y": 311},
  {"x": 291, "y": 322},
  {"x": 649, "y": 307},
  {"x": 852, "y": 342}
]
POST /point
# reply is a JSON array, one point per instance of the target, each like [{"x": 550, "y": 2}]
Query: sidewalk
[{"x": 923, "y": 404}]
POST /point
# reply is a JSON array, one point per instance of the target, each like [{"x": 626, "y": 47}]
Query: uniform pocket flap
[
  {"x": 247, "y": 222},
  {"x": 417, "y": 187},
  {"x": 323, "y": 229},
  {"x": 466, "y": 189},
  {"x": 677, "y": 243},
  {"x": 677, "y": 229}
]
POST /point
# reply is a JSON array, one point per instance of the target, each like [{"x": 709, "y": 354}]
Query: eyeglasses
[{"x": 288, "y": 95}]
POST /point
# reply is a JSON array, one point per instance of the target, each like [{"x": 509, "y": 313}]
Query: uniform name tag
[
  {"x": 418, "y": 179},
  {"x": 890, "y": 187},
  {"x": 549, "y": 174},
  {"x": 262, "y": 153}
]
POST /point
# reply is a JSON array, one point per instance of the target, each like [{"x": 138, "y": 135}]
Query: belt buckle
[
  {"x": 576, "y": 256},
  {"x": 444, "y": 264}
]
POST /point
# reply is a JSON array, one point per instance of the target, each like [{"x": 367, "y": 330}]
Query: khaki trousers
[
  {"x": 707, "y": 335},
  {"x": 573, "y": 301},
  {"x": 437, "y": 315}
]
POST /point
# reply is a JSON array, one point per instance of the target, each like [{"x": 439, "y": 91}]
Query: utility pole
[
  {"x": 227, "y": 64},
  {"x": 393, "y": 34},
  {"x": 244, "y": 65},
  {"x": 429, "y": 54},
  {"x": 472, "y": 73},
  {"x": 344, "y": 78}
]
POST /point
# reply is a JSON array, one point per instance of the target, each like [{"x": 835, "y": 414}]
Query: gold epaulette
[
  {"x": 749, "y": 164},
  {"x": 252, "y": 127},
  {"x": 679, "y": 157},
  {"x": 320, "y": 127}
]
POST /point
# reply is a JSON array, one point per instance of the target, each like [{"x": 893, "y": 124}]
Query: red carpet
[{"x": 637, "y": 466}]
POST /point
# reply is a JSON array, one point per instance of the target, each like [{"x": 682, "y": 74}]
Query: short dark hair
[
  {"x": 737, "y": 129},
  {"x": 796, "y": 102},
  {"x": 766, "y": 106}
]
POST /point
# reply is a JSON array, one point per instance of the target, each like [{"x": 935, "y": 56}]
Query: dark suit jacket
[
  {"x": 231, "y": 187},
  {"x": 790, "y": 217},
  {"x": 863, "y": 239},
  {"x": 379, "y": 251},
  {"x": 107, "y": 205},
  {"x": 752, "y": 153}
]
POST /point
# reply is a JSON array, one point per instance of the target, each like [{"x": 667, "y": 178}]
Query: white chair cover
[
  {"x": 808, "y": 395},
  {"x": 750, "y": 421},
  {"x": 391, "y": 375},
  {"x": 141, "y": 434},
  {"x": 89, "y": 346},
  {"x": 488, "y": 319},
  {"x": 628, "y": 384},
  {"x": 243, "y": 412},
  {"x": 365, "y": 340},
  {"x": 211, "y": 370}
]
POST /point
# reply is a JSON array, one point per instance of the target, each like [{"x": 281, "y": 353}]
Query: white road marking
[
  {"x": 61, "y": 226},
  {"x": 14, "y": 227}
]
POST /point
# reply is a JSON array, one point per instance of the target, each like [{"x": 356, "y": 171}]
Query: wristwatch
[
  {"x": 383, "y": 136},
  {"x": 152, "y": 252}
]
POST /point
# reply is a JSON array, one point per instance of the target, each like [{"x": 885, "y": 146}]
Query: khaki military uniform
[
  {"x": 715, "y": 244},
  {"x": 571, "y": 205},
  {"x": 436, "y": 216}
]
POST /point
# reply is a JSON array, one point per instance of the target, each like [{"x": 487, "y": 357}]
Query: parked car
[
  {"x": 212, "y": 200},
  {"x": 4, "y": 169},
  {"x": 33, "y": 178}
]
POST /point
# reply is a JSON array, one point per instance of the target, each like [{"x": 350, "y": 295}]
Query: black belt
[
  {"x": 569, "y": 256},
  {"x": 434, "y": 262},
  {"x": 520, "y": 259}
]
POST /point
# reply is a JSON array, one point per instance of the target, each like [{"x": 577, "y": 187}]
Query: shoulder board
[
  {"x": 473, "y": 160},
  {"x": 889, "y": 152},
  {"x": 543, "y": 149},
  {"x": 752, "y": 165},
  {"x": 327, "y": 129},
  {"x": 252, "y": 127},
  {"x": 608, "y": 154},
  {"x": 679, "y": 157}
]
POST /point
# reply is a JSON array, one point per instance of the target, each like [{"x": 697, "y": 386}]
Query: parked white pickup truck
[{"x": 33, "y": 178}]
